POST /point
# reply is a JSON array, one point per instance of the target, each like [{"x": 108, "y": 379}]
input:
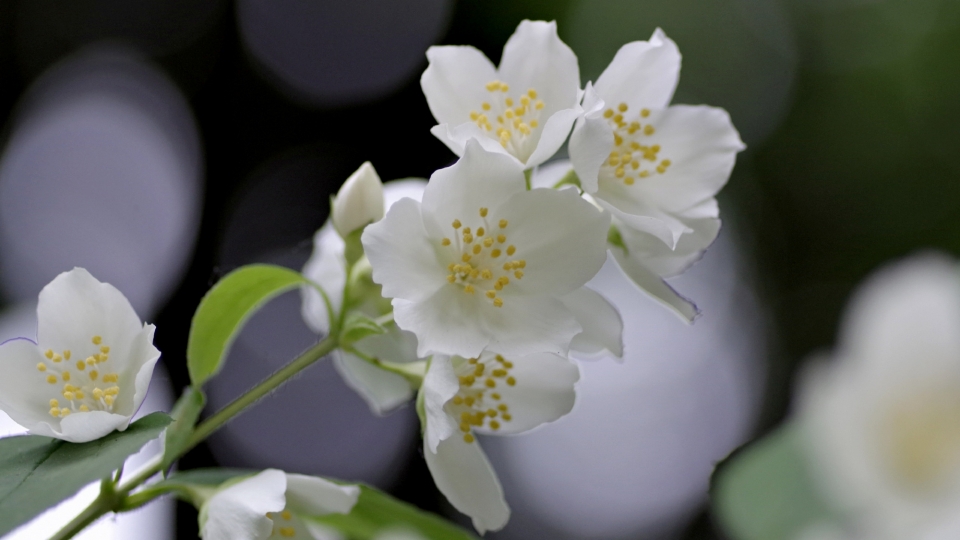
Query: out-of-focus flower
[
  {"x": 381, "y": 389},
  {"x": 273, "y": 504},
  {"x": 359, "y": 201},
  {"x": 491, "y": 395},
  {"x": 89, "y": 371},
  {"x": 525, "y": 108},
  {"x": 655, "y": 167},
  {"x": 882, "y": 420},
  {"x": 484, "y": 262}
]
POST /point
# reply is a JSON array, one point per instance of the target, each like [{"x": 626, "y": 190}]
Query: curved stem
[{"x": 103, "y": 504}]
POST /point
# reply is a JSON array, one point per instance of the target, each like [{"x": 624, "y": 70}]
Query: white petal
[
  {"x": 701, "y": 144},
  {"x": 652, "y": 284},
  {"x": 411, "y": 188},
  {"x": 642, "y": 74},
  {"x": 601, "y": 322},
  {"x": 447, "y": 323},
  {"x": 480, "y": 179},
  {"x": 561, "y": 237},
  {"x": 544, "y": 392},
  {"x": 359, "y": 201},
  {"x": 590, "y": 142},
  {"x": 239, "y": 512},
  {"x": 312, "y": 496},
  {"x": 326, "y": 268},
  {"x": 457, "y": 137},
  {"x": 24, "y": 391},
  {"x": 74, "y": 307},
  {"x": 534, "y": 57},
  {"x": 403, "y": 259},
  {"x": 464, "y": 476},
  {"x": 382, "y": 390},
  {"x": 455, "y": 82},
  {"x": 666, "y": 262},
  {"x": 89, "y": 426},
  {"x": 143, "y": 358},
  {"x": 641, "y": 214},
  {"x": 439, "y": 386},
  {"x": 529, "y": 324},
  {"x": 553, "y": 135}
]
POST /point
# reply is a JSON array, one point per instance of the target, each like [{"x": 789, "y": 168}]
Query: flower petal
[
  {"x": 457, "y": 137},
  {"x": 139, "y": 372},
  {"x": 448, "y": 323},
  {"x": 411, "y": 188},
  {"x": 382, "y": 390},
  {"x": 666, "y": 262},
  {"x": 535, "y": 58},
  {"x": 464, "y": 476},
  {"x": 313, "y": 496},
  {"x": 454, "y": 82},
  {"x": 544, "y": 392},
  {"x": 561, "y": 237},
  {"x": 601, "y": 322},
  {"x": 439, "y": 386},
  {"x": 643, "y": 73},
  {"x": 529, "y": 324},
  {"x": 326, "y": 268},
  {"x": 239, "y": 512},
  {"x": 701, "y": 144},
  {"x": 655, "y": 286},
  {"x": 591, "y": 141},
  {"x": 24, "y": 392},
  {"x": 480, "y": 179},
  {"x": 74, "y": 307},
  {"x": 641, "y": 215},
  {"x": 403, "y": 259},
  {"x": 552, "y": 137},
  {"x": 89, "y": 426}
]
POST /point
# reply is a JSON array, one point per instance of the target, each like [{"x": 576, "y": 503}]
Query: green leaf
[
  {"x": 39, "y": 472},
  {"x": 358, "y": 326},
  {"x": 376, "y": 512},
  {"x": 185, "y": 414},
  {"x": 765, "y": 491},
  {"x": 225, "y": 309}
]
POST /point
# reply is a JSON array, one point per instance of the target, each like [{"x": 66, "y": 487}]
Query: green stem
[
  {"x": 527, "y": 174},
  {"x": 104, "y": 503},
  {"x": 117, "y": 498},
  {"x": 569, "y": 178}
]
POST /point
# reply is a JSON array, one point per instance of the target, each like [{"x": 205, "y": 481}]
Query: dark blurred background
[{"x": 162, "y": 143}]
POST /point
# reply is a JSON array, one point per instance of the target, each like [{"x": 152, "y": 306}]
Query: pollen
[
  {"x": 49, "y": 354},
  {"x": 622, "y": 107},
  {"x": 52, "y": 379},
  {"x": 81, "y": 365},
  {"x": 41, "y": 367},
  {"x": 66, "y": 354},
  {"x": 97, "y": 340},
  {"x": 511, "y": 250},
  {"x": 456, "y": 224},
  {"x": 445, "y": 242},
  {"x": 498, "y": 302},
  {"x": 288, "y": 532},
  {"x": 286, "y": 515}
]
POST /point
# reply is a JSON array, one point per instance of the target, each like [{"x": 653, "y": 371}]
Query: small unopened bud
[{"x": 359, "y": 201}]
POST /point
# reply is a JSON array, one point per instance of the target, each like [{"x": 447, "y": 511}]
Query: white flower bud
[{"x": 359, "y": 201}]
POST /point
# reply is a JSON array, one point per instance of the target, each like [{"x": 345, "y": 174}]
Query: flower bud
[{"x": 359, "y": 201}]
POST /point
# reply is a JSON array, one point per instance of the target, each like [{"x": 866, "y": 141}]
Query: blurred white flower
[
  {"x": 273, "y": 504},
  {"x": 655, "y": 167},
  {"x": 883, "y": 418},
  {"x": 359, "y": 201},
  {"x": 491, "y": 395},
  {"x": 89, "y": 371},
  {"x": 525, "y": 108},
  {"x": 381, "y": 389},
  {"x": 484, "y": 262}
]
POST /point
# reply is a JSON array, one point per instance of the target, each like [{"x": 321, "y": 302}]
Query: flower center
[
  {"x": 478, "y": 258},
  {"x": 478, "y": 403},
  {"x": 515, "y": 120},
  {"x": 924, "y": 438},
  {"x": 630, "y": 158},
  {"x": 84, "y": 388},
  {"x": 285, "y": 527}
]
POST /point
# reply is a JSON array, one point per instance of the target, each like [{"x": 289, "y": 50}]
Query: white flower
[
  {"x": 359, "y": 201},
  {"x": 490, "y": 395},
  {"x": 483, "y": 262},
  {"x": 883, "y": 419},
  {"x": 273, "y": 504},
  {"x": 525, "y": 108},
  {"x": 89, "y": 371},
  {"x": 655, "y": 167},
  {"x": 381, "y": 389}
]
